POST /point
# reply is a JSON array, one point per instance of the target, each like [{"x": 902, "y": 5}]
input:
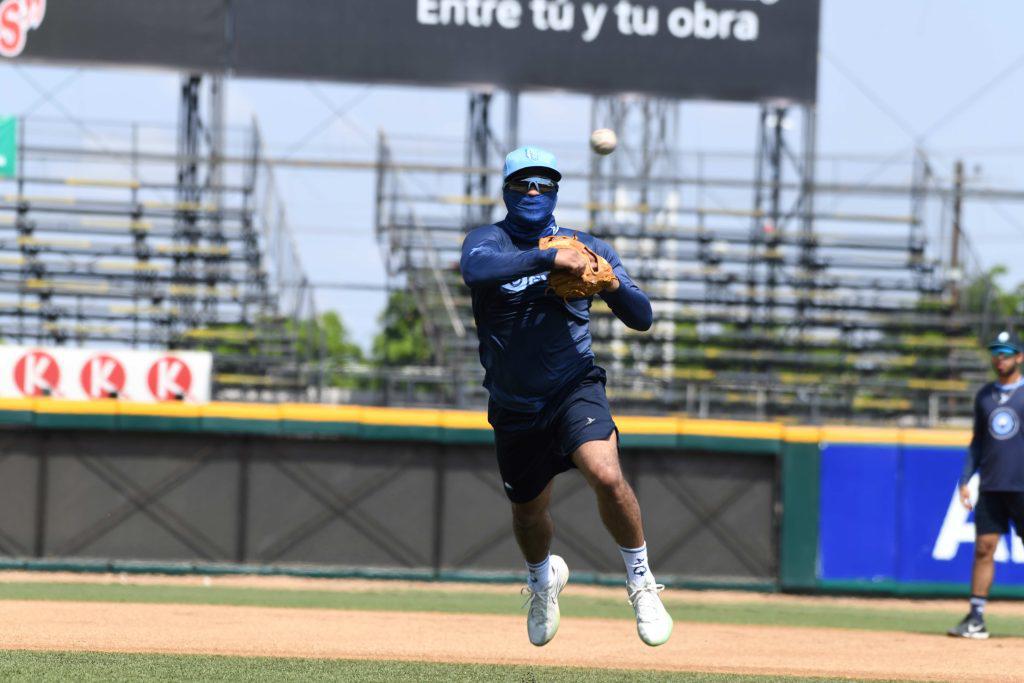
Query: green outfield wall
[{"x": 352, "y": 490}]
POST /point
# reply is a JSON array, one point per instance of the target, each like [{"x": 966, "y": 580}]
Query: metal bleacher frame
[
  {"x": 143, "y": 236},
  {"x": 772, "y": 302}
]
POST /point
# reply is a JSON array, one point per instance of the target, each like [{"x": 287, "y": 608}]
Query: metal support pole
[
  {"x": 512, "y": 121},
  {"x": 775, "y": 159},
  {"x": 215, "y": 179},
  {"x": 808, "y": 237},
  {"x": 479, "y": 136},
  {"x": 954, "y": 257},
  {"x": 21, "y": 221},
  {"x": 757, "y": 221},
  {"x": 188, "y": 193}
]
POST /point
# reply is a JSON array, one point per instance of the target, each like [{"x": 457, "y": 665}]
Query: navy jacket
[
  {"x": 997, "y": 448},
  {"x": 532, "y": 343}
]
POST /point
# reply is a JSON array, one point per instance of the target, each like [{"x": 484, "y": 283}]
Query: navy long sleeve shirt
[
  {"x": 532, "y": 343},
  {"x": 997, "y": 447}
]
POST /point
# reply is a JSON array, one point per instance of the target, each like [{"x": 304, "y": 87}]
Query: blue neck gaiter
[{"x": 528, "y": 216}]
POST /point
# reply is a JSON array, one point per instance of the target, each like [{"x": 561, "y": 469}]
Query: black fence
[{"x": 401, "y": 506}]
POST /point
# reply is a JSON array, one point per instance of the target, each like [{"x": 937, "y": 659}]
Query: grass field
[
  {"x": 687, "y": 608},
  {"x": 64, "y": 666}
]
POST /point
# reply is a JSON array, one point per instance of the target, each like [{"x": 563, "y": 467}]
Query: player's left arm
[
  {"x": 973, "y": 459},
  {"x": 628, "y": 302}
]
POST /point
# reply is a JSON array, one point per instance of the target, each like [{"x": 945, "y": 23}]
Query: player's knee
[
  {"x": 607, "y": 478},
  {"x": 985, "y": 548},
  {"x": 526, "y": 516}
]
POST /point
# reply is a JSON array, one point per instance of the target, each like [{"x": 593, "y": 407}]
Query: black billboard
[
  {"x": 707, "y": 49},
  {"x": 180, "y": 34}
]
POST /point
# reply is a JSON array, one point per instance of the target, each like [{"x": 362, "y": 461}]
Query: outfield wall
[
  {"x": 890, "y": 521},
  {"x": 348, "y": 489}
]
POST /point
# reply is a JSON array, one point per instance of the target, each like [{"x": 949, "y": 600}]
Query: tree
[
  {"x": 984, "y": 295},
  {"x": 402, "y": 339},
  {"x": 336, "y": 344},
  {"x": 327, "y": 339}
]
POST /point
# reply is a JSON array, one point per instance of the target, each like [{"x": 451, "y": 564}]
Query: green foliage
[
  {"x": 986, "y": 294},
  {"x": 402, "y": 339},
  {"x": 327, "y": 339},
  {"x": 327, "y": 336}
]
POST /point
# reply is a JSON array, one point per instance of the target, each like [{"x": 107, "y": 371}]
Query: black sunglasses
[{"x": 542, "y": 185}]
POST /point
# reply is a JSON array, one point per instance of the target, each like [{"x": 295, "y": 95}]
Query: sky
[{"x": 943, "y": 75}]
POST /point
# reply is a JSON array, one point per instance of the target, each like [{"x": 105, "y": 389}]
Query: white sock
[
  {"x": 638, "y": 572},
  {"x": 540, "y": 574}
]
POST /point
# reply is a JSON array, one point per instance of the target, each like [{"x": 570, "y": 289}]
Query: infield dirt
[{"x": 492, "y": 639}]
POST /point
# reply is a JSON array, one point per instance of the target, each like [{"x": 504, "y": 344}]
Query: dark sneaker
[{"x": 970, "y": 627}]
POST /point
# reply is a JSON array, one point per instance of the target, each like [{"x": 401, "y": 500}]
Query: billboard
[
  {"x": 746, "y": 50},
  {"x": 891, "y": 513},
  {"x": 94, "y": 374}
]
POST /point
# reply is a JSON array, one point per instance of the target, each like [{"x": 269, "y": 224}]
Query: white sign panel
[{"x": 91, "y": 374}]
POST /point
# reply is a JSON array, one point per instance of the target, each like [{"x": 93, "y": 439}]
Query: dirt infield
[{"x": 281, "y": 632}]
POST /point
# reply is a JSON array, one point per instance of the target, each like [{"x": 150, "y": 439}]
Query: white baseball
[{"x": 603, "y": 141}]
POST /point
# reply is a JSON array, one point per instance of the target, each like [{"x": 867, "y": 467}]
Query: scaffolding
[
  {"x": 772, "y": 299},
  {"x": 141, "y": 236}
]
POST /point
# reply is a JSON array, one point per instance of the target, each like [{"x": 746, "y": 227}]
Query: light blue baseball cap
[
  {"x": 1006, "y": 342},
  {"x": 532, "y": 159}
]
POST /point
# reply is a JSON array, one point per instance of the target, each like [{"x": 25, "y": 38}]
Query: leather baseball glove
[{"x": 596, "y": 278}]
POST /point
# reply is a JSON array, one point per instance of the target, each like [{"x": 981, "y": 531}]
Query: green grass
[
  {"x": 823, "y": 614},
  {"x": 90, "y": 666}
]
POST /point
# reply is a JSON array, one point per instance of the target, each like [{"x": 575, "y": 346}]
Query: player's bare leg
[
  {"x": 984, "y": 564},
  {"x": 533, "y": 528},
  {"x": 973, "y": 625},
  {"x": 548, "y": 574},
  {"x": 598, "y": 461}
]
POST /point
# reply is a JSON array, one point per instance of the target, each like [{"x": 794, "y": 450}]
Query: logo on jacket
[
  {"x": 1003, "y": 423},
  {"x": 523, "y": 282}
]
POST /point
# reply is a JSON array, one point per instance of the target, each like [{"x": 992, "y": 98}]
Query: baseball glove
[{"x": 596, "y": 278}]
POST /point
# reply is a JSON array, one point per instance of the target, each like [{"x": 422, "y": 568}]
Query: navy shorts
[
  {"x": 994, "y": 511},
  {"x": 534, "y": 447}
]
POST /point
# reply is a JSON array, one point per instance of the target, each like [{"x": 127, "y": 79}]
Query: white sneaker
[
  {"x": 543, "y": 617},
  {"x": 653, "y": 622}
]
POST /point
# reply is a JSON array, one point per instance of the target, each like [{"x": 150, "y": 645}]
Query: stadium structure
[
  {"x": 777, "y": 294},
  {"x": 143, "y": 236},
  {"x": 768, "y": 301}
]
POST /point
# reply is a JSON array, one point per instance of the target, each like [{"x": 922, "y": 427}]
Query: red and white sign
[
  {"x": 169, "y": 379},
  {"x": 103, "y": 376},
  {"x": 36, "y": 374},
  {"x": 91, "y": 374},
  {"x": 17, "y": 18}
]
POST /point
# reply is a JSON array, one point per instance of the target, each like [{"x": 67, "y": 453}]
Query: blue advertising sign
[{"x": 892, "y": 513}]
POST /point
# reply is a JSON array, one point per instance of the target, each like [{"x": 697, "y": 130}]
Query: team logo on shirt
[
  {"x": 1003, "y": 423},
  {"x": 523, "y": 282}
]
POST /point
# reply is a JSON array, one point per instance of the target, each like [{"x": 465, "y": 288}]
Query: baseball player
[
  {"x": 547, "y": 399},
  {"x": 997, "y": 450}
]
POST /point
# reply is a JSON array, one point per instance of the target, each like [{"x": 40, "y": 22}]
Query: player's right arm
[
  {"x": 485, "y": 262},
  {"x": 971, "y": 463}
]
